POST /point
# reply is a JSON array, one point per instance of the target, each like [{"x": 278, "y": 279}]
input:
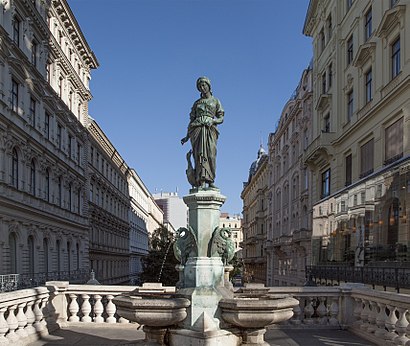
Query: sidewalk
[{"x": 127, "y": 334}]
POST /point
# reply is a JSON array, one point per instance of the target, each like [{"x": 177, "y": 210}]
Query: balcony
[
  {"x": 62, "y": 313},
  {"x": 319, "y": 149}
]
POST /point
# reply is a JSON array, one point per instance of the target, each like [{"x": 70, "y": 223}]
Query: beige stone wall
[{"x": 367, "y": 191}]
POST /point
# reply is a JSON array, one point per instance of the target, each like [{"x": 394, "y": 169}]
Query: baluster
[
  {"x": 98, "y": 309},
  {"x": 110, "y": 309},
  {"x": 30, "y": 318},
  {"x": 86, "y": 308},
  {"x": 391, "y": 323},
  {"x": 4, "y": 327},
  {"x": 322, "y": 311},
  {"x": 358, "y": 312},
  {"x": 73, "y": 308},
  {"x": 309, "y": 311},
  {"x": 123, "y": 320},
  {"x": 401, "y": 327},
  {"x": 365, "y": 314},
  {"x": 380, "y": 321},
  {"x": 372, "y": 317},
  {"x": 334, "y": 311},
  {"x": 297, "y": 312},
  {"x": 38, "y": 315},
  {"x": 13, "y": 324},
  {"x": 22, "y": 321},
  {"x": 46, "y": 312}
]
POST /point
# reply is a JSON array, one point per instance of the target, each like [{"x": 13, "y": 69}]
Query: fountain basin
[
  {"x": 152, "y": 311},
  {"x": 257, "y": 312}
]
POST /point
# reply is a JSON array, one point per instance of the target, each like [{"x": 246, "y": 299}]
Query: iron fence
[{"x": 397, "y": 277}]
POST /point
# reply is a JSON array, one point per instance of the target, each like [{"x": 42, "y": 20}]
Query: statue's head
[{"x": 203, "y": 79}]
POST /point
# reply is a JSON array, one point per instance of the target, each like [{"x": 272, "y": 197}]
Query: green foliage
[
  {"x": 159, "y": 264},
  {"x": 237, "y": 266}
]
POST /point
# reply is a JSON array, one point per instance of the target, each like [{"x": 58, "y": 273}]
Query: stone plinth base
[
  {"x": 178, "y": 337},
  {"x": 204, "y": 272}
]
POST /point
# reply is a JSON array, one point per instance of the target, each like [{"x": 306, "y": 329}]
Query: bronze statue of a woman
[{"x": 206, "y": 114}]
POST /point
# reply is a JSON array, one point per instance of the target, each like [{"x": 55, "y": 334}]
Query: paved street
[{"x": 129, "y": 335}]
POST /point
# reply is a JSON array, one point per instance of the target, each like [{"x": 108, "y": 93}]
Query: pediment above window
[
  {"x": 390, "y": 19},
  {"x": 365, "y": 52},
  {"x": 324, "y": 101}
]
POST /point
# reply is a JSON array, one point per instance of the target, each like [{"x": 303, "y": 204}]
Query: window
[
  {"x": 326, "y": 183},
  {"x": 79, "y": 201},
  {"x": 70, "y": 149},
  {"x": 326, "y": 123},
  {"x": 60, "y": 191},
  {"x": 48, "y": 71},
  {"x": 59, "y": 133},
  {"x": 70, "y": 196},
  {"x": 91, "y": 192},
  {"x": 368, "y": 24},
  {"x": 32, "y": 111},
  {"x": 348, "y": 4},
  {"x": 70, "y": 100},
  {"x": 348, "y": 172},
  {"x": 47, "y": 185},
  {"x": 60, "y": 87},
  {"x": 47, "y": 125},
  {"x": 350, "y": 105},
  {"x": 329, "y": 26},
  {"x": 79, "y": 153},
  {"x": 395, "y": 58},
  {"x": 394, "y": 142},
  {"x": 330, "y": 75},
  {"x": 322, "y": 40},
  {"x": 366, "y": 158},
  {"x": 33, "y": 178},
  {"x": 393, "y": 3},
  {"x": 14, "y": 95},
  {"x": 350, "y": 50},
  {"x": 324, "y": 83},
  {"x": 79, "y": 109},
  {"x": 34, "y": 53},
  {"x": 368, "y": 85},
  {"x": 16, "y": 31},
  {"x": 15, "y": 169}
]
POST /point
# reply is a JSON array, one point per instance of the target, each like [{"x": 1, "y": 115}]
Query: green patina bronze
[{"x": 206, "y": 114}]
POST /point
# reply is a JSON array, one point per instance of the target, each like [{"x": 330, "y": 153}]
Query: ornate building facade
[
  {"x": 234, "y": 222},
  {"x": 360, "y": 153},
  {"x": 45, "y": 65},
  {"x": 254, "y": 223},
  {"x": 109, "y": 207},
  {"x": 289, "y": 203},
  {"x": 142, "y": 213}
]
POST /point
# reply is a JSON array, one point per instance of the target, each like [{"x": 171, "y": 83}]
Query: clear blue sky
[{"x": 152, "y": 51}]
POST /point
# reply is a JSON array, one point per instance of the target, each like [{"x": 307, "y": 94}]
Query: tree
[{"x": 159, "y": 264}]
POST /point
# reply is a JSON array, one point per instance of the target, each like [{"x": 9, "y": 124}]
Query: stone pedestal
[
  {"x": 203, "y": 277},
  {"x": 204, "y": 212}
]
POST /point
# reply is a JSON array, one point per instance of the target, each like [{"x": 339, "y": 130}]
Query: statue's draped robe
[{"x": 203, "y": 135}]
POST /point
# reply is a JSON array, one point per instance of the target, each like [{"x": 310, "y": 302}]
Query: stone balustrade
[
  {"x": 25, "y": 315},
  {"x": 381, "y": 317}
]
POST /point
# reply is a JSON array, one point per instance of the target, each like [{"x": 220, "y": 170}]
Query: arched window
[
  {"x": 45, "y": 251},
  {"x": 33, "y": 178},
  {"x": 13, "y": 252},
  {"x": 15, "y": 169},
  {"x": 47, "y": 185},
  {"x": 30, "y": 244}
]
